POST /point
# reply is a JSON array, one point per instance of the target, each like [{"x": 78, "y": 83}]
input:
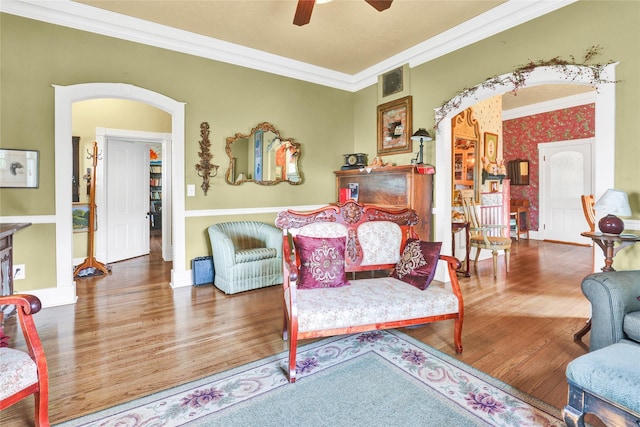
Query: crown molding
[
  {"x": 87, "y": 18},
  {"x": 552, "y": 105}
]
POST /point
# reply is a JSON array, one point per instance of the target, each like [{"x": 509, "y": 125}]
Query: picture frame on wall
[
  {"x": 395, "y": 126},
  {"x": 80, "y": 215},
  {"x": 490, "y": 146},
  {"x": 19, "y": 168}
]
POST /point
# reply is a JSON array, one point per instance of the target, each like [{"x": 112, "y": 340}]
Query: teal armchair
[
  {"x": 246, "y": 255},
  {"x": 615, "y": 307}
]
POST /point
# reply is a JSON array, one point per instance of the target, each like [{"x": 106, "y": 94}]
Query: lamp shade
[
  {"x": 421, "y": 135},
  {"x": 612, "y": 203}
]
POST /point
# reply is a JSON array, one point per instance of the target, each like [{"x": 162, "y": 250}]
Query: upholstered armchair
[
  {"x": 23, "y": 373},
  {"x": 246, "y": 255},
  {"x": 615, "y": 307}
]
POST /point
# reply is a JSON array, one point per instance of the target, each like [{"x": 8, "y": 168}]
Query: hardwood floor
[{"x": 130, "y": 334}]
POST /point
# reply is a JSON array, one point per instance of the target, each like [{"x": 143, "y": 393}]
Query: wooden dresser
[{"x": 393, "y": 187}]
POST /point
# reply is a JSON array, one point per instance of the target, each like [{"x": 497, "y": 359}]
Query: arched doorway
[
  {"x": 65, "y": 96},
  {"x": 604, "y": 147}
]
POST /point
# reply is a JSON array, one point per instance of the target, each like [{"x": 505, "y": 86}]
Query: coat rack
[{"x": 91, "y": 261}]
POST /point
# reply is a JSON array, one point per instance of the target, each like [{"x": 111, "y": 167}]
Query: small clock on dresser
[{"x": 354, "y": 161}]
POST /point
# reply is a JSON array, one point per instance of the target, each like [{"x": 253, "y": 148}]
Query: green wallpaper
[
  {"x": 327, "y": 122},
  {"x": 36, "y": 55}
]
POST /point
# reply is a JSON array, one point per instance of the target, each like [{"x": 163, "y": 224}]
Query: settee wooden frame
[{"x": 351, "y": 215}]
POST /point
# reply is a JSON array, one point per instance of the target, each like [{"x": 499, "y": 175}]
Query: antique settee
[
  {"x": 246, "y": 255},
  {"x": 323, "y": 247}
]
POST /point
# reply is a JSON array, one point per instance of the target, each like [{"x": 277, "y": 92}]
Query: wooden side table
[
  {"x": 455, "y": 228},
  {"x": 607, "y": 243},
  {"x": 6, "y": 262}
]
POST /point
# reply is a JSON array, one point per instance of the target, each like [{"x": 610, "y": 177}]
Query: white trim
[
  {"x": 87, "y": 18},
  {"x": 33, "y": 219},
  {"x": 553, "y": 105},
  {"x": 65, "y": 96},
  {"x": 632, "y": 224},
  {"x": 604, "y": 147}
]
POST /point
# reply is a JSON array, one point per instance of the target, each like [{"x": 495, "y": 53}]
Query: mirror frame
[
  {"x": 465, "y": 129},
  {"x": 266, "y": 127}
]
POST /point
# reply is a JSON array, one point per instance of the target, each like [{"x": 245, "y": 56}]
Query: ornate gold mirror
[
  {"x": 465, "y": 136},
  {"x": 263, "y": 157}
]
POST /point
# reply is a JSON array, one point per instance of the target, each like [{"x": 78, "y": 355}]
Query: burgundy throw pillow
[
  {"x": 321, "y": 262},
  {"x": 4, "y": 339},
  {"x": 418, "y": 262}
]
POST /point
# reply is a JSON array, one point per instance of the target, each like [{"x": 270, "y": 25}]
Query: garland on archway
[{"x": 517, "y": 79}]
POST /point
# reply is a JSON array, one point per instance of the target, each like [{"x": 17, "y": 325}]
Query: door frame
[
  {"x": 542, "y": 219},
  {"x": 65, "y": 96},
  {"x": 103, "y": 136},
  {"x": 604, "y": 146}
]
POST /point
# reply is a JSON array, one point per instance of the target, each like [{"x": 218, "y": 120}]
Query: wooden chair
[
  {"x": 25, "y": 373},
  {"x": 480, "y": 233},
  {"x": 588, "y": 203}
]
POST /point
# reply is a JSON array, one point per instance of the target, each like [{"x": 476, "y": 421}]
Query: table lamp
[
  {"x": 421, "y": 135},
  {"x": 612, "y": 203}
]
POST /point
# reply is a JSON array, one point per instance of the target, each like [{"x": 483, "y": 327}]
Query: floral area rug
[{"x": 379, "y": 378}]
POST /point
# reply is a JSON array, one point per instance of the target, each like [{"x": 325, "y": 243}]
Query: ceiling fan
[{"x": 305, "y": 7}]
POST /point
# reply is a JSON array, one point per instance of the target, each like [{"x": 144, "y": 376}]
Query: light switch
[{"x": 191, "y": 190}]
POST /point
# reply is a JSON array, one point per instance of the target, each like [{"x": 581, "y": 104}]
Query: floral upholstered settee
[
  {"x": 246, "y": 255},
  {"x": 321, "y": 247}
]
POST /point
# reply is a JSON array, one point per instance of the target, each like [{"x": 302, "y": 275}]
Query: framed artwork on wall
[
  {"x": 394, "y": 126},
  {"x": 490, "y": 146},
  {"x": 80, "y": 214},
  {"x": 19, "y": 168}
]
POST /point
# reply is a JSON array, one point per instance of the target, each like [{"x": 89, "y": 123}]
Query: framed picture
[
  {"x": 490, "y": 146},
  {"x": 80, "y": 214},
  {"x": 394, "y": 127},
  {"x": 19, "y": 168},
  {"x": 494, "y": 186}
]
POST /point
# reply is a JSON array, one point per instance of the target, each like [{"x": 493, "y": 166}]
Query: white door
[
  {"x": 565, "y": 175},
  {"x": 127, "y": 200}
]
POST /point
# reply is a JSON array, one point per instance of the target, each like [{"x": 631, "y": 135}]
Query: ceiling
[
  {"x": 348, "y": 36},
  {"x": 346, "y": 45}
]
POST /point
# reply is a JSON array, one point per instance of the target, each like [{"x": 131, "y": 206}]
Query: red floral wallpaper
[{"x": 521, "y": 137}]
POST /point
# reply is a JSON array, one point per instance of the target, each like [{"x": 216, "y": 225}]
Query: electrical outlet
[
  {"x": 191, "y": 190},
  {"x": 19, "y": 272}
]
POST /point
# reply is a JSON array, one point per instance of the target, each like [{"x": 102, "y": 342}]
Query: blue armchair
[
  {"x": 246, "y": 255},
  {"x": 615, "y": 307}
]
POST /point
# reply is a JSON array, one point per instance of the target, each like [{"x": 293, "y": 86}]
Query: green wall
[
  {"x": 327, "y": 122},
  {"x": 36, "y": 55}
]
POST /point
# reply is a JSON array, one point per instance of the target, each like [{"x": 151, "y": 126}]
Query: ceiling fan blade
[
  {"x": 303, "y": 12},
  {"x": 380, "y": 5}
]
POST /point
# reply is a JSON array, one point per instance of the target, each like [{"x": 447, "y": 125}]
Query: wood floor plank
[{"x": 130, "y": 334}]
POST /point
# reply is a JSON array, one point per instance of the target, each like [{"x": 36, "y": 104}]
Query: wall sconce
[
  {"x": 421, "y": 135},
  {"x": 205, "y": 169}
]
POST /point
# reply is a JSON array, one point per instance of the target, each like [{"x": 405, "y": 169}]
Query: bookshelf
[{"x": 155, "y": 195}]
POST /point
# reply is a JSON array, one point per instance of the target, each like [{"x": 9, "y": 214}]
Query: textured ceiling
[
  {"x": 343, "y": 35},
  {"x": 347, "y": 36}
]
